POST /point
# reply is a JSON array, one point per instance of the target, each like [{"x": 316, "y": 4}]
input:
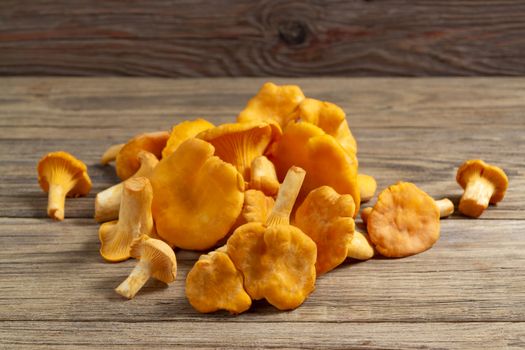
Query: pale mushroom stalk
[
  {"x": 446, "y": 207},
  {"x": 107, "y": 202},
  {"x": 57, "y": 200},
  {"x": 111, "y": 153},
  {"x": 138, "y": 277},
  {"x": 360, "y": 247},
  {"x": 288, "y": 192},
  {"x": 477, "y": 195}
]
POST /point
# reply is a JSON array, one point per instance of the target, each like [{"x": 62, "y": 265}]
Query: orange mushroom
[
  {"x": 111, "y": 153},
  {"x": 183, "y": 131},
  {"x": 330, "y": 118},
  {"x": 135, "y": 220},
  {"x": 263, "y": 176},
  {"x": 107, "y": 202},
  {"x": 483, "y": 184},
  {"x": 277, "y": 260},
  {"x": 127, "y": 162},
  {"x": 325, "y": 161},
  {"x": 327, "y": 218},
  {"x": 60, "y": 174},
  {"x": 239, "y": 143},
  {"x": 404, "y": 221},
  {"x": 365, "y": 213},
  {"x": 197, "y": 196},
  {"x": 367, "y": 187},
  {"x": 214, "y": 283},
  {"x": 273, "y": 104}
]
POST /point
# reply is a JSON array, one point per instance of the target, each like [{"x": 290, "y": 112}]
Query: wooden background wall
[{"x": 193, "y": 38}]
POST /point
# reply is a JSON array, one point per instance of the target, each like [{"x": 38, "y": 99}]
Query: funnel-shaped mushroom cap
[
  {"x": 327, "y": 218},
  {"x": 183, "y": 131},
  {"x": 64, "y": 169},
  {"x": 127, "y": 162},
  {"x": 273, "y": 104},
  {"x": 197, "y": 196},
  {"x": 215, "y": 284},
  {"x": 329, "y": 117},
  {"x": 239, "y": 143},
  {"x": 473, "y": 170},
  {"x": 325, "y": 161},
  {"x": 404, "y": 221},
  {"x": 161, "y": 258},
  {"x": 277, "y": 260}
]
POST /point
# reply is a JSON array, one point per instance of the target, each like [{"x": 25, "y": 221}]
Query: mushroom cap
[
  {"x": 161, "y": 258},
  {"x": 239, "y": 143},
  {"x": 367, "y": 187},
  {"x": 196, "y": 196},
  {"x": 183, "y": 131},
  {"x": 63, "y": 168},
  {"x": 277, "y": 262},
  {"x": 326, "y": 163},
  {"x": 476, "y": 168},
  {"x": 329, "y": 117},
  {"x": 404, "y": 221},
  {"x": 273, "y": 104},
  {"x": 214, "y": 283},
  {"x": 327, "y": 218},
  {"x": 127, "y": 163}
]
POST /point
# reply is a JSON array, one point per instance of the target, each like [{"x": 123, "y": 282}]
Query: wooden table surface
[{"x": 468, "y": 291}]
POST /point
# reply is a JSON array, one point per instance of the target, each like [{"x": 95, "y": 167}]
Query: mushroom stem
[
  {"x": 288, "y": 191},
  {"x": 476, "y": 197},
  {"x": 56, "y": 201},
  {"x": 111, "y": 153},
  {"x": 135, "y": 281},
  {"x": 446, "y": 207},
  {"x": 360, "y": 247},
  {"x": 365, "y": 213},
  {"x": 135, "y": 211}
]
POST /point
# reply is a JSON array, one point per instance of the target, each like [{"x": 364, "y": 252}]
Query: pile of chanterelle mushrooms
[{"x": 271, "y": 201}]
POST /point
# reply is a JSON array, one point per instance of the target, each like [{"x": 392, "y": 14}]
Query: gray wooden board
[{"x": 468, "y": 291}]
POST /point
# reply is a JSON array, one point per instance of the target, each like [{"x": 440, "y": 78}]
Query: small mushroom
[
  {"x": 273, "y": 104},
  {"x": 327, "y": 218},
  {"x": 367, "y": 187},
  {"x": 183, "y": 131},
  {"x": 60, "y": 174},
  {"x": 107, "y": 202},
  {"x": 404, "y": 221},
  {"x": 365, "y": 213},
  {"x": 135, "y": 219},
  {"x": 276, "y": 259},
  {"x": 127, "y": 161},
  {"x": 446, "y": 207},
  {"x": 239, "y": 143},
  {"x": 111, "y": 153},
  {"x": 483, "y": 184},
  {"x": 157, "y": 260},
  {"x": 214, "y": 283},
  {"x": 263, "y": 176},
  {"x": 360, "y": 248}
]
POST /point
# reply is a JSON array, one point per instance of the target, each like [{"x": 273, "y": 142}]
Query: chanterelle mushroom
[
  {"x": 483, "y": 184},
  {"x": 60, "y": 174},
  {"x": 157, "y": 260},
  {"x": 404, "y": 221},
  {"x": 183, "y": 131},
  {"x": 135, "y": 219},
  {"x": 263, "y": 176},
  {"x": 360, "y": 247},
  {"x": 107, "y": 202},
  {"x": 367, "y": 187},
  {"x": 111, "y": 153},
  {"x": 277, "y": 260}
]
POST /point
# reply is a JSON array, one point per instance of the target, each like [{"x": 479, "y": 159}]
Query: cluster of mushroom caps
[{"x": 274, "y": 194}]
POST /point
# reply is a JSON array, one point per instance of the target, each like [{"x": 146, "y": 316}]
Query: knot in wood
[{"x": 293, "y": 32}]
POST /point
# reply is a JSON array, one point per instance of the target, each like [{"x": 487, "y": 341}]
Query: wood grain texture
[
  {"x": 468, "y": 291},
  {"x": 180, "y": 38}
]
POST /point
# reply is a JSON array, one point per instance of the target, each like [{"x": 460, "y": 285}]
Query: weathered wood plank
[
  {"x": 244, "y": 38},
  {"x": 232, "y": 335},
  {"x": 476, "y": 272}
]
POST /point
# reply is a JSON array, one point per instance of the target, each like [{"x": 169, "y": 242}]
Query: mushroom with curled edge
[
  {"x": 107, "y": 202},
  {"x": 135, "y": 219},
  {"x": 61, "y": 174},
  {"x": 404, "y": 221},
  {"x": 276, "y": 259},
  {"x": 156, "y": 259},
  {"x": 127, "y": 162},
  {"x": 483, "y": 184},
  {"x": 197, "y": 197},
  {"x": 327, "y": 218},
  {"x": 110, "y": 154},
  {"x": 214, "y": 283},
  {"x": 367, "y": 187},
  {"x": 183, "y": 131}
]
